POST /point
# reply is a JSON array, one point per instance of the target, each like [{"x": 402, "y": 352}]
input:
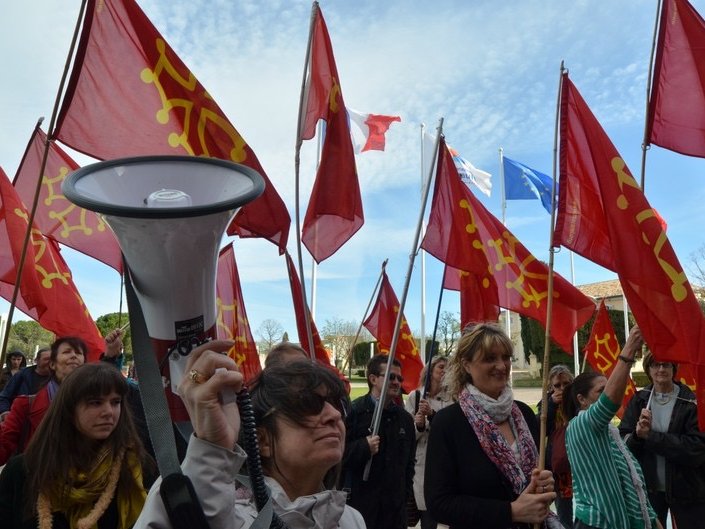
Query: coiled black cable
[{"x": 248, "y": 429}]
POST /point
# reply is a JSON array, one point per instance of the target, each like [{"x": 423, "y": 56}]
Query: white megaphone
[{"x": 169, "y": 214}]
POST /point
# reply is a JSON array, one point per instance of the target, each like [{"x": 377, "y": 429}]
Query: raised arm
[{"x": 617, "y": 383}]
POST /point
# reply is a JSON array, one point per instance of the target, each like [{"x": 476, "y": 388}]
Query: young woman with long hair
[{"x": 83, "y": 467}]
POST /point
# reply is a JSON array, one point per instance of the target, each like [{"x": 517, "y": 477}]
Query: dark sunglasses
[
  {"x": 392, "y": 377},
  {"x": 312, "y": 403},
  {"x": 665, "y": 365}
]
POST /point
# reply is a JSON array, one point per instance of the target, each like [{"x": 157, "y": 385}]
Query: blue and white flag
[
  {"x": 469, "y": 174},
  {"x": 522, "y": 182}
]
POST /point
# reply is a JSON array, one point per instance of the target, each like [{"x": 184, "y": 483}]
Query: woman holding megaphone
[{"x": 298, "y": 413}]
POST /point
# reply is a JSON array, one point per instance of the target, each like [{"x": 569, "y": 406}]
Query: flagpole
[
  {"x": 501, "y": 184},
  {"x": 576, "y": 354},
  {"x": 507, "y": 313},
  {"x": 377, "y": 415},
  {"x": 423, "y": 260},
  {"x": 427, "y": 379},
  {"x": 40, "y": 178},
  {"x": 314, "y": 264},
  {"x": 645, "y": 144},
  {"x": 626, "y": 314},
  {"x": 364, "y": 317},
  {"x": 297, "y": 166},
  {"x": 549, "y": 305}
]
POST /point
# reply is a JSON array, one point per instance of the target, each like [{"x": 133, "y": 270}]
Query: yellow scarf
[{"x": 91, "y": 494}]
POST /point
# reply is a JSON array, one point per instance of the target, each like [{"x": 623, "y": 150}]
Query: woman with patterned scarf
[
  {"x": 482, "y": 451},
  {"x": 83, "y": 467}
]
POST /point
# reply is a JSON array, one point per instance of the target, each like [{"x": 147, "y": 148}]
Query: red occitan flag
[
  {"x": 464, "y": 235},
  {"x": 56, "y": 217},
  {"x": 602, "y": 350},
  {"x": 334, "y": 212},
  {"x": 693, "y": 376},
  {"x": 231, "y": 320},
  {"x": 47, "y": 293},
  {"x": 129, "y": 94},
  {"x": 381, "y": 322},
  {"x": 604, "y": 216},
  {"x": 676, "y": 116},
  {"x": 478, "y": 295},
  {"x": 300, "y": 312}
]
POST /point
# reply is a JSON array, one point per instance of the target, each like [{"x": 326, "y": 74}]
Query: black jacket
[
  {"x": 683, "y": 446},
  {"x": 462, "y": 486},
  {"x": 382, "y": 499},
  {"x": 13, "y": 501}
]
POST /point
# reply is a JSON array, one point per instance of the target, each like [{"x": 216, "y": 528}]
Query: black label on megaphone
[{"x": 189, "y": 328}]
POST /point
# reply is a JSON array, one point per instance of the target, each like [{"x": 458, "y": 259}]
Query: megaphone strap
[
  {"x": 264, "y": 517},
  {"x": 180, "y": 499}
]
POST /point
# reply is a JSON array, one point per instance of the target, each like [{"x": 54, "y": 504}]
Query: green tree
[
  {"x": 27, "y": 336},
  {"x": 115, "y": 320},
  {"x": 430, "y": 352},
  {"x": 533, "y": 337},
  {"x": 361, "y": 354}
]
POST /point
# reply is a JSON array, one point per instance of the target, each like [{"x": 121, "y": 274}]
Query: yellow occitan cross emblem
[
  {"x": 235, "y": 353},
  {"x": 204, "y": 115},
  {"x": 406, "y": 336},
  {"x": 46, "y": 268},
  {"x": 505, "y": 257},
  {"x": 675, "y": 275},
  {"x": 603, "y": 353},
  {"x": 333, "y": 96},
  {"x": 53, "y": 184}
]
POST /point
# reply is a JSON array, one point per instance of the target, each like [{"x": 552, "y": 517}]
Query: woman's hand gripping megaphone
[{"x": 210, "y": 377}]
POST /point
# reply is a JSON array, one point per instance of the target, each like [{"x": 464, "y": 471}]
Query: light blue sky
[{"x": 489, "y": 68}]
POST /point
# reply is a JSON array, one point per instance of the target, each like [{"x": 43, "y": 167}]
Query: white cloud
[{"x": 489, "y": 68}]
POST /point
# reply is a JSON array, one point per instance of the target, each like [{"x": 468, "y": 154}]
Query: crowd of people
[{"x": 459, "y": 450}]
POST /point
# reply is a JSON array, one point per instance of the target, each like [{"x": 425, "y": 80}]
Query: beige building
[{"x": 609, "y": 291}]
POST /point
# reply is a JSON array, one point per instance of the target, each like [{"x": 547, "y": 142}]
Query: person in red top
[{"x": 67, "y": 353}]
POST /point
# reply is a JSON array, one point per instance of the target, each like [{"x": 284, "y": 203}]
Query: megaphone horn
[{"x": 169, "y": 214}]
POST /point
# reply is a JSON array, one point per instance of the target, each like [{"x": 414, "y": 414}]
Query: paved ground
[{"x": 530, "y": 396}]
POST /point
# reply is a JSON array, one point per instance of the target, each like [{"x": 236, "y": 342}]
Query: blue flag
[{"x": 522, "y": 182}]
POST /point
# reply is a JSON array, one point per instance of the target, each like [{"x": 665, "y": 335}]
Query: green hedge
[{"x": 533, "y": 336}]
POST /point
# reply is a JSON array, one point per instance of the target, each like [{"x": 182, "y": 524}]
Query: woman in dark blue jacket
[{"x": 660, "y": 426}]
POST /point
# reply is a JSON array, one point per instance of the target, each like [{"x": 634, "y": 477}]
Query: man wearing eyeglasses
[{"x": 382, "y": 497}]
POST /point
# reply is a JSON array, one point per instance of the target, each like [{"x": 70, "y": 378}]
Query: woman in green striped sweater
[{"x": 608, "y": 485}]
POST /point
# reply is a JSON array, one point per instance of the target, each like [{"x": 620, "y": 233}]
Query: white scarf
[{"x": 498, "y": 409}]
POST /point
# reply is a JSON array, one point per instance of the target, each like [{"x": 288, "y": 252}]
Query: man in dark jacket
[
  {"x": 666, "y": 441},
  {"x": 382, "y": 499},
  {"x": 14, "y": 364},
  {"x": 26, "y": 382}
]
